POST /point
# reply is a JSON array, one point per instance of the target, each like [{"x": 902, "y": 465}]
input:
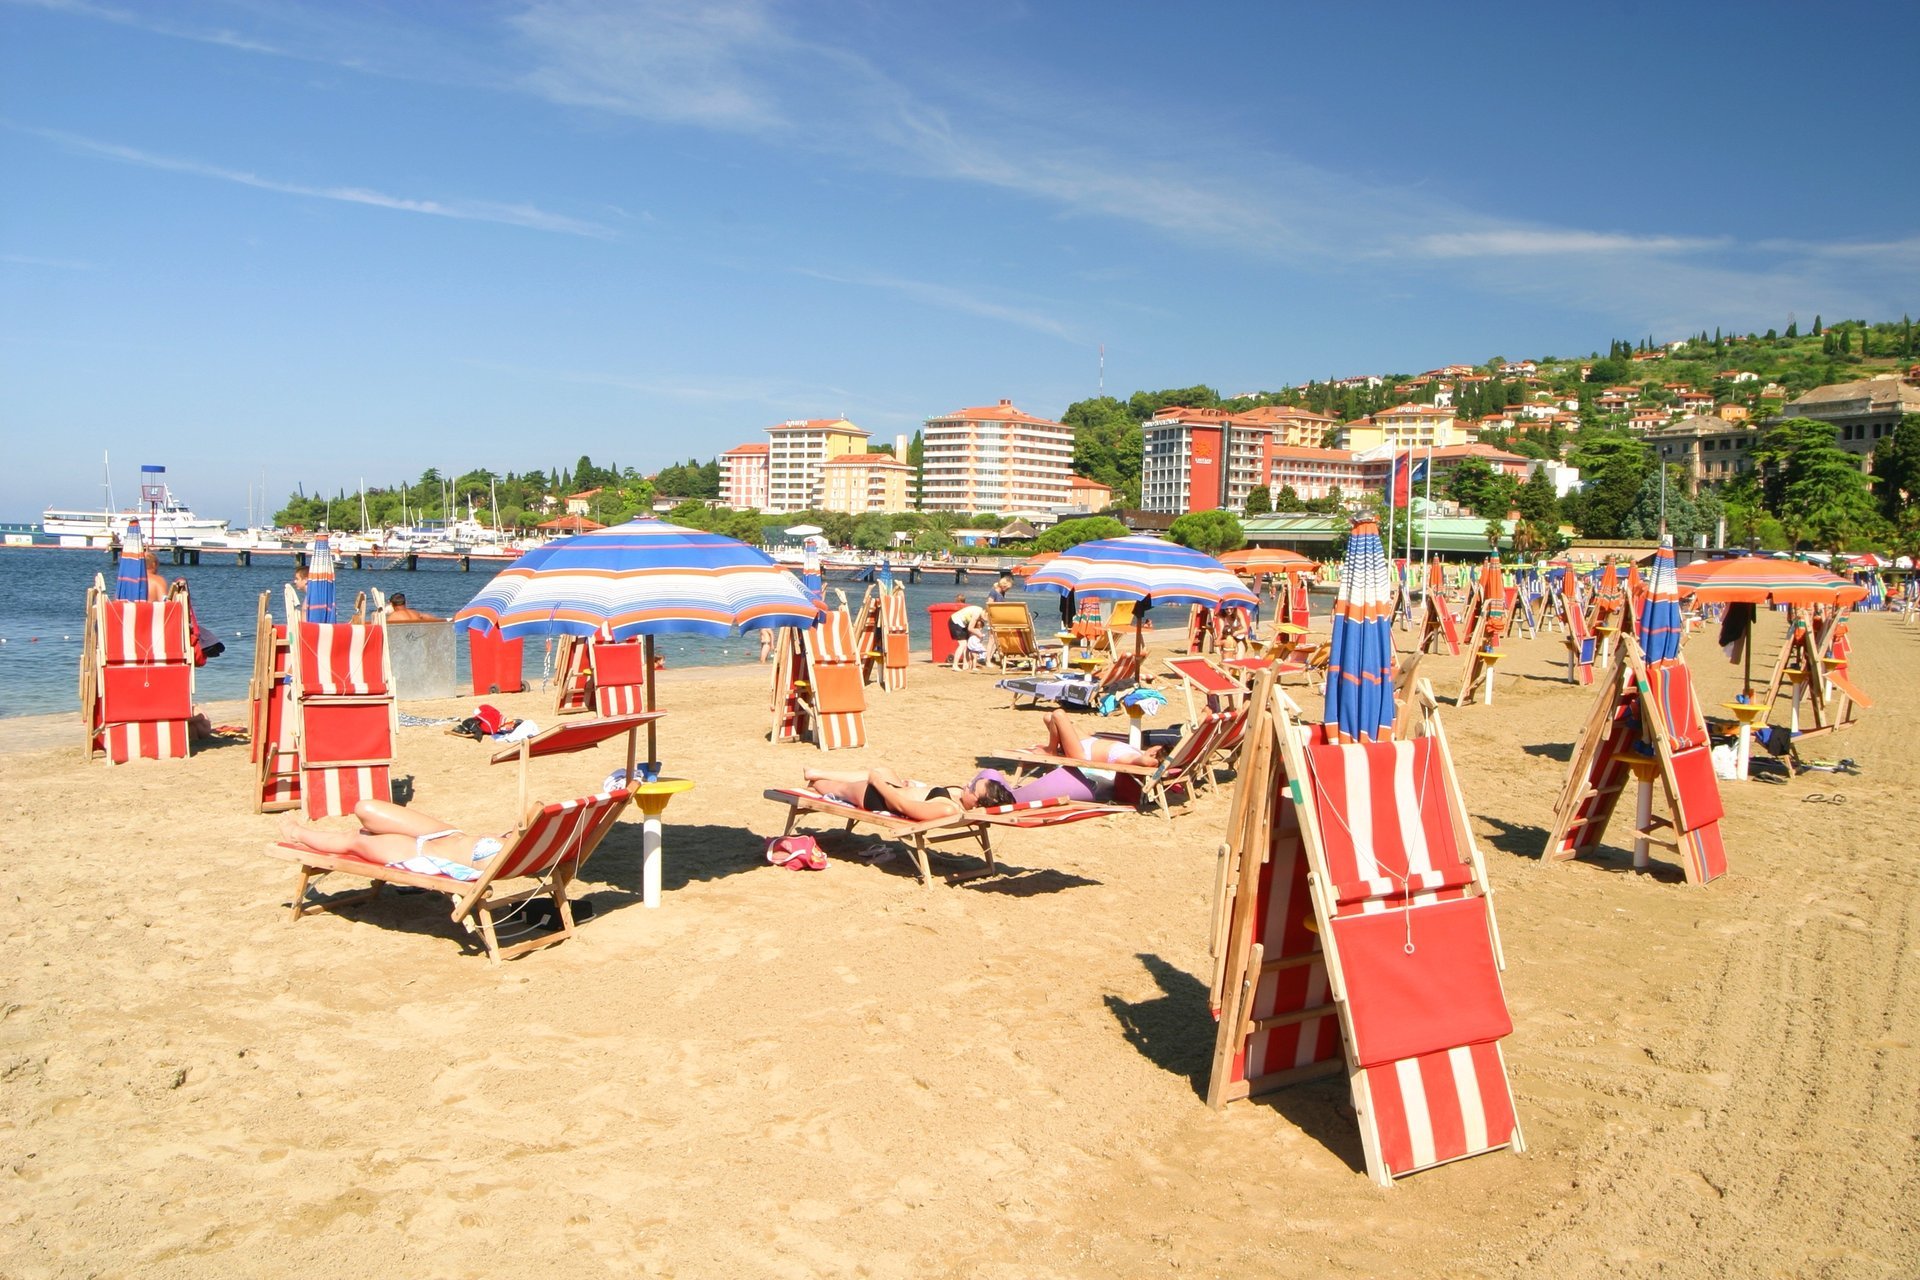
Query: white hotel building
[
  {"x": 996, "y": 458},
  {"x": 797, "y": 452}
]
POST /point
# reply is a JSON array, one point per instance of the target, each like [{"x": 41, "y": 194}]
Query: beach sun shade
[
  {"x": 1141, "y": 568},
  {"x": 1758, "y": 579},
  {"x": 131, "y": 582},
  {"x": 1660, "y": 610},
  {"x": 644, "y": 577},
  {"x": 1253, "y": 561},
  {"x": 320, "y": 590},
  {"x": 1360, "y": 666}
]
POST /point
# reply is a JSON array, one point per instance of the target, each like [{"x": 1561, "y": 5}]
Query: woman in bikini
[
  {"x": 391, "y": 835},
  {"x": 882, "y": 790}
]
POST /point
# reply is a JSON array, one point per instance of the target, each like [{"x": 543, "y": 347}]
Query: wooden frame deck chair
[
  {"x": 1219, "y": 689},
  {"x": 1439, "y": 625},
  {"x": 1645, "y": 727},
  {"x": 1015, "y": 644},
  {"x": 1579, "y": 639},
  {"x": 920, "y": 837},
  {"x": 1091, "y": 634},
  {"x": 573, "y": 677},
  {"x": 827, "y": 694},
  {"x": 1835, "y": 646},
  {"x": 619, "y": 675},
  {"x": 1353, "y": 928},
  {"x": 343, "y": 711},
  {"x": 868, "y": 637},
  {"x": 274, "y": 747},
  {"x": 549, "y": 846},
  {"x": 898, "y": 641},
  {"x": 136, "y": 677},
  {"x": 1487, "y": 612},
  {"x": 1181, "y": 771},
  {"x": 1800, "y": 668}
]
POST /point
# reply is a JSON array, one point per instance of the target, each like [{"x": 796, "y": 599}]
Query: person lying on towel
[
  {"x": 881, "y": 790},
  {"x": 397, "y": 837},
  {"x": 1086, "y": 782}
]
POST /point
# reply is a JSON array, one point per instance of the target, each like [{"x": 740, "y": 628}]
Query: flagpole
[{"x": 1426, "y": 531}]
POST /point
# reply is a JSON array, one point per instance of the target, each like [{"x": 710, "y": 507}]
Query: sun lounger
[
  {"x": 273, "y": 743},
  {"x": 344, "y": 717},
  {"x": 136, "y": 692},
  {"x": 818, "y": 696},
  {"x": 919, "y": 836},
  {"x": 553, "y": 841},
  {"x": 1180, "y": 772},
  {"x": 1015, "y": 646},
  {"x": 1198, "y": 675}
]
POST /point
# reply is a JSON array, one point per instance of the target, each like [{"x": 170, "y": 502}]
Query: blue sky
[{"x": 336, "y": 242}]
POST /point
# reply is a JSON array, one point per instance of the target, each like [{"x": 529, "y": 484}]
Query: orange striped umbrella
[
  {"x": 1758, "y": 579},
  {"x": 1257, "y": 560}
]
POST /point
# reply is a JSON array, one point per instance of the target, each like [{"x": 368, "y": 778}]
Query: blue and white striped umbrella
[
  {"x": 1360, "y": 668},
  {"x": 644, "y": 577},
  {"x": 1659, "y": 632},
  {"x": 320, "y": 588},
  {"x": 1142, "y": 568},
  {"x": 131, "y": 581}
]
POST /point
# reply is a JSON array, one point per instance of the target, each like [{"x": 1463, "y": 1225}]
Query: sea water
[{"x": 43, "y": 597}]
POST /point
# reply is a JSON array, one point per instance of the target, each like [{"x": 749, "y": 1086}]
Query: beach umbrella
[
  {"x": 1143, "y": 569},
  {"x": 1032, "y": 563},
  {"x": 642, "y": 578},
  {"x": 320, "y": 588},
  {"x": 1254, "y": 561},
  {"x": 1659, "y": 628},
  {"x": 131, "y": 581},
  {"x": 1360, "y": 668},
  {"x": 1757, "y": 580}
]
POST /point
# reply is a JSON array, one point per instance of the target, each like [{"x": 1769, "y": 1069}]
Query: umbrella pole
[
  {"x": 646, "y": 660},
  {"x": 1746, "y": 651}
]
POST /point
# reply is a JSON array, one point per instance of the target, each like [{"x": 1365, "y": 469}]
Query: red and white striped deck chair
[
  {"x": 921, "y": 837},
  {"x": 832, "y": 702},
  {"x": 138, "y": 687},
  {"x": 1835, "y": 645},
  {"x": 553, "y": 840},
  {"x": 573, "y": 677},
  {"x": 897, "y": 643},
  {"x": 1645, "y": 711},
  {"x": 1181, "y": 771},
  {"x": 1439, "y": 626},
  {"x": 617, "y": 675},
  {"x": 1361, "y": 935},
  {"x": 274, "y": 747},
  {"x": 1198, "y": 675},
  {"x": 345, "y": 719}
]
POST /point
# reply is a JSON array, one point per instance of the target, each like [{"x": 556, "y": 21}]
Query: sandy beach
[{"x": 843, "y": 1073}]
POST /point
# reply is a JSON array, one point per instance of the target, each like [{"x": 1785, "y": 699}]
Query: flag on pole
[{"x": 1406, "y": 474}]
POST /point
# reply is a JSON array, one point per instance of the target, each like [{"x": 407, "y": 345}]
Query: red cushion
[
  {"x": 146, "y": 693},
  {"x": 619, "y": 663},
  {"x": 357, "y": 732},
  {"x": 1699, "y": 788},
  {"x": 1443, "y": 994}
]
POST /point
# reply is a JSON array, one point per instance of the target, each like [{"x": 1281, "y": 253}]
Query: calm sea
[{"x": 43, "y": 595}]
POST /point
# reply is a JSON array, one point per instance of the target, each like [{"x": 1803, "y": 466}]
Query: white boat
[{"x": 164, "y": 519}]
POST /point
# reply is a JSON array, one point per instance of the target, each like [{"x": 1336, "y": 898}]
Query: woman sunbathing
[
  {"x": 393, "y": 836},
  {"x": 1086, "y": 782},
  {"x": 882, "y": 790}
]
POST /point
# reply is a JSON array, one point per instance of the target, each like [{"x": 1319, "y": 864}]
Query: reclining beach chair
[
  {"x": 1353, "y": 928},
  {"x": 136, "y": 677},
  {"x": 1015, "y": 646},
  {"x": 921, "y": 837},
  {"x": 1221, "y": 690},
  {"x": 898, "y": 647},
  {"x": 1439, "y": 626},
  {"x": 1170, "y": 784},
  {"x": 572, "y": 677},
  {"x": 619, "y": 675},
  {"x": 1645, "y": 729},
  {"x": 1579, "y": 640},
  {"x": 1834, "y": 644},
  {"x": 869, "y": 637},
  {"x": 343, "y": 714},
  {"x": 274, "y": 748},
  {"x": 551, "y": 843},
  {"x": 817, "y": 694}
]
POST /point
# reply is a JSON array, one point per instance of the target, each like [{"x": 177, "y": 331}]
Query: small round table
[
  {"x": 1748, "y": 714},
  {"x": 1646, "y": 771},
  {"x": 1490, "y": 659},
  {"x": 652, "y": 797}
]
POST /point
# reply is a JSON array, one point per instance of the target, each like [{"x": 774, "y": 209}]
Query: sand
[{"x": 843, "y": 1073}]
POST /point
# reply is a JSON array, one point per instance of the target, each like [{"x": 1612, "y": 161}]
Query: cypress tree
[{"x": 1816, "y": 324}]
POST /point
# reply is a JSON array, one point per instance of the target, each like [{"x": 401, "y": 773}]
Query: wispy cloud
[
  {"x": 158, "y": 25},
  {"x": 1515, "y": 242},
  {"x": 57, "y": 264},
  {"x": 513, "y": 215},
  {"x": 948, "y": 298}
]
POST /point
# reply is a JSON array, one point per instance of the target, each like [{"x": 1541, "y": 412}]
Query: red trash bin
[
  {"x": 497, "y": 664},
  {"x": 938, "y": 633}
]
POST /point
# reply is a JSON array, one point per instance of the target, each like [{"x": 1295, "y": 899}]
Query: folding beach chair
[
  {"x": 1439, "y": 625},
  {"x": 1834, "y": 643},
  {"x": 343, "y": 717},
  {"x": 136, "y": 677},
  {"x": 898, "y": 647},
  {"x": 1487, "y": 620},
  {"x": 1579, "y": 640},
  {"x": 817, "y": 694},
  {"x": 920, "y": 837},
  {"x": 573, "y": 677},
  {"x": 1353, "y": 927},
  {"x": 551, "y": 843},
  {"x": 1015, "y": 646},
  {"x": 1645, "y": 728},
  {"x": 868, "y": 637},
  {"x": 273, "y": 745},
  {"x": 619, "y": 675},
  {"x": 1198, "y": 675}
]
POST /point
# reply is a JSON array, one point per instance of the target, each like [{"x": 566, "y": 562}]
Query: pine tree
[{"x": 1793, "y": 329}]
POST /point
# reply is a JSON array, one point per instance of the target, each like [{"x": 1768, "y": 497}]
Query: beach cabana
[{"x": 1353, "y": 922}]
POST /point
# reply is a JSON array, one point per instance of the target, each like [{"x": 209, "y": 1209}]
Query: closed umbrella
[
  {"x": 1359, "y": 701},
  {"x": 130, "y": 583},
  {"x": 645, "y": 578},
  {"x": 1143, "y": 569},
  {"x": 320, "y": 587},
  {"x": 1659, "y": 628}
]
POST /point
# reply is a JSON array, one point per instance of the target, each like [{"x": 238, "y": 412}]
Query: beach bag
[{"x": 796, "y": 853}]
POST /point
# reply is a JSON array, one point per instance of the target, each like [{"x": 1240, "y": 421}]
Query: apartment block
[
  {"x": 996, "y": 458},
  {"x": 1201, "y": 460},
  {"x": 1409, "y": 426},
  {"x": 797, "y": 453},
  {"x": 1295, "y": 427},
  {"x": 860, "y": 483},
  {"x": 743, "y": 477}
]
